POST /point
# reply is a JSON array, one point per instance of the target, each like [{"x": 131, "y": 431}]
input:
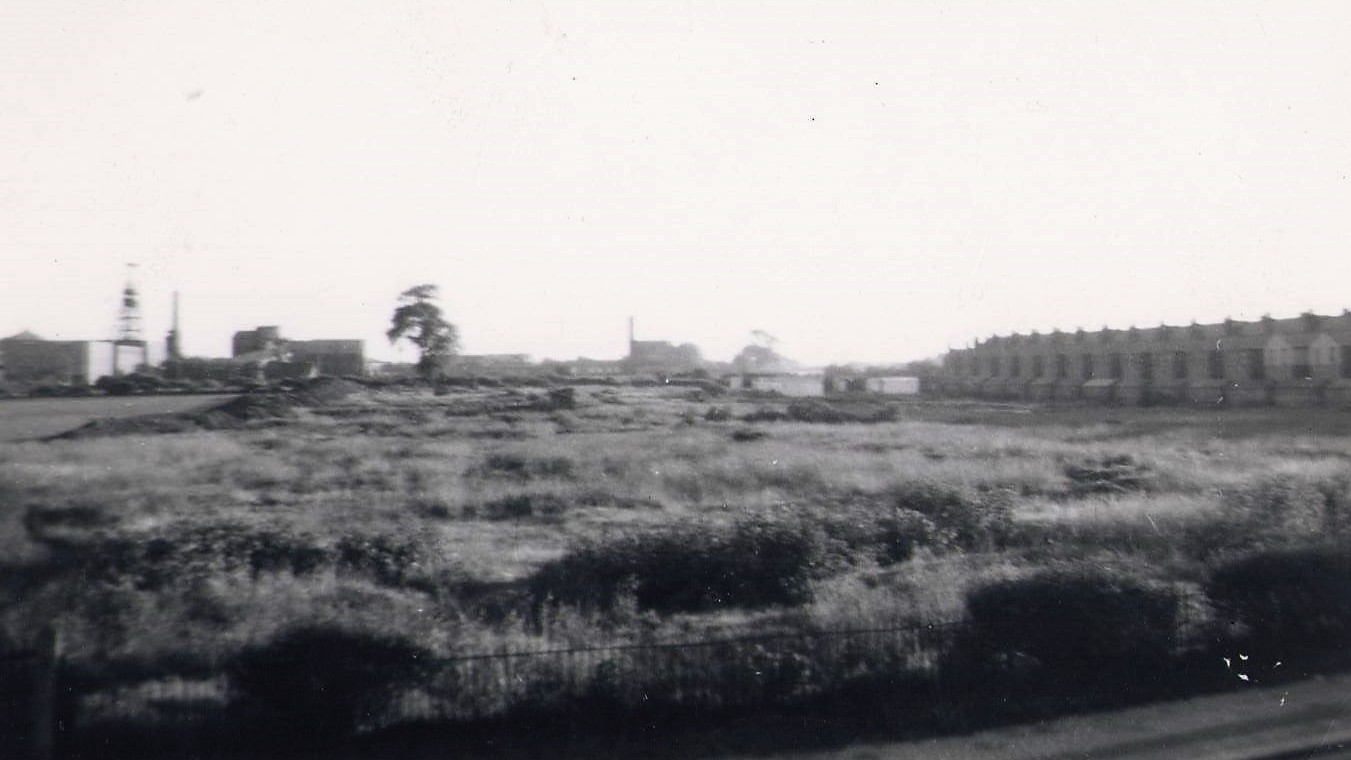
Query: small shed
[{"x": 894, "y": 385}]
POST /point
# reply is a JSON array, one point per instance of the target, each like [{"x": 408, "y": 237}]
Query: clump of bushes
[
  {"x": 317, "y": 684},
  {"x": 387, "y": 559},
  {"x": 1283, "y": 502},
  {"x": 1273, "y": 512},
  {"x": 717, "y": 414},
  {"x": 753, "y": 563},
  {"x": 876, "y": 533},
  {"x": 179, "y": 553},
  {"x": 559, "y": 399},
  {"x": 765, "y": 414},
  {"x": 816, "y": 410},
  {"x": 522, "y": 506},
  {"x": 1287, "y": 598},
  {"x": 523, "y": 467},
  {"x": 182, "y": 554},
  {"x": 965, "y": 517},
  {"x": 1073, "y": 624},
  {"x": 902, "y": 532}
]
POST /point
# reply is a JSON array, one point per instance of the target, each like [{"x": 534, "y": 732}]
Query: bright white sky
[{"x": 869, "y": 181}]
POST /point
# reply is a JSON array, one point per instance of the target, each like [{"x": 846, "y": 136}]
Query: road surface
[
  {"x": 1303, "y": 719},
  {"x": 29, "y": 418}
]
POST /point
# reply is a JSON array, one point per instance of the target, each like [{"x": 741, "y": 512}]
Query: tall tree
[{"x": 418, "y": 319}]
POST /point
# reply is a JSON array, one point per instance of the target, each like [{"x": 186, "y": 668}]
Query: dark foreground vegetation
[{"x": 574, "y": 570}]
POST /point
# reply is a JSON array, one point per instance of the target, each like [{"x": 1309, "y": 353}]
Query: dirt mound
[
  {"x": 149, "y": 424},
  {"x": 257, "y": 405},
  {"x": 272, "y": 404}
]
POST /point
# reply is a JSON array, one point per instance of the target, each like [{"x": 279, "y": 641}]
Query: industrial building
[
  {"x": 659, "y": 357},
  {"x": 27, "y": 360},
  {"x": 1295, "y": 361},
  {"x": 795, "y": 384},
  {"x": 265, "y": 347}
]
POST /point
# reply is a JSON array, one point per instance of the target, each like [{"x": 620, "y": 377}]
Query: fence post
[{"x": 45, "y": 666}]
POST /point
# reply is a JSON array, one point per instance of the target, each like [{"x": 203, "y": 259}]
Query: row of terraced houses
[{"x": 1301, "y": 360}]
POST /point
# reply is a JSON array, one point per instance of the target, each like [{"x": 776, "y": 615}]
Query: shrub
[
  {"x": 384, "y": 558},
  {"x": 525, "y": 505},
  {"x": 964, "y": 517},
  {"x": 1336, "y": 492},
  {"x": 522, "y": 467},
  {"x": 115, "y": 386},
  {"x": 317, "y": 683},
  {"x": 901, "y": 533},
  {"x": 1288, "y": 598},
  {"x": 718, "y": 414},
  {"x": 765, "y": 414},
  {"x": 877, "y": 533},
  {"x": 181, "y": 553},
  {"x": 1284, "y": 503},
  {"x": 561, "y": 398},
  {"x": 815, "y": 410},
  {"x": 754, "y": 563},
  {"x": 1074, "y": 624}
]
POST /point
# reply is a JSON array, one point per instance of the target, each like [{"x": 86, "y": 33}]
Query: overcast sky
[{"x": 866, "y": 181}]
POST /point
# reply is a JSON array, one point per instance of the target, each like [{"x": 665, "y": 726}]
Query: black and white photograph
[{"x": 675, "y": 379}]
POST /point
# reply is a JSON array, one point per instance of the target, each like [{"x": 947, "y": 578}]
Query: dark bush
[
  {"x": 965, "y": 517},
  {"x": 115, "y": 386},
  {"x": 181, "y": 553},
  {"x": 1288, "y": 598},
  {"x": 522, "y": 467},
  {"x": 386, "y": 559},
  {"x": 765, "y": 414},
  {"x": 525, "y": 505},
  {"x": 901, "y": 533},
  {"x": 876, "y": 533},
  {"x": 748, "y": 434},
  {"x": 754, "y": 563},
  {"x": 1076, "y": 624},
  {"x": 816, "y": 410},
  {"x": 1336, "y": 492},
  {"x": 717, "y": 414},
  {"x": 1284, "y": 503},
  {"x": 561, "y": 398},
  {"x": 318, "y": 683}
]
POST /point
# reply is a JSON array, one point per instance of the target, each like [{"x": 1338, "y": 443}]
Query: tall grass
[{"x": 436, "y": 515}]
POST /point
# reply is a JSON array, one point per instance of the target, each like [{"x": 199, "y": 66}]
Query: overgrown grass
[{"x": 481, "y": 519}]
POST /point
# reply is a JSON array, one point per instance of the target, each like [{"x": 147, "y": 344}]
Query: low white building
[
  {"x": 893, "y": 386},
  {"x": 795, "y": 385}
]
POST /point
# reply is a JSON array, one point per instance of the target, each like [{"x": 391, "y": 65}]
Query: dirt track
[
  {"x": 1302, "y": 719},
  {"x": 24, "y": 419}
]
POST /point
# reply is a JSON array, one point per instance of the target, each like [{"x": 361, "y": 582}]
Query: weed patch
[
  {"x": 318, "y": 684},
  {"x": 1108, "y": 475},
  {"x": 754, "y": 563},
  {"x": 1074, "y": 624},
  {"x": 1288, "y": 599}
]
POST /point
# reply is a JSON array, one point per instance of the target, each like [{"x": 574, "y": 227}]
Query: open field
[
  {"x": 478, "y": 521},
  {"x": 27, "y": 419}
]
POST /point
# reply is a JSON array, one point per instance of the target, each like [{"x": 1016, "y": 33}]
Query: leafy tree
[
  {"x": 418, "y": 320},
  {"x": 757, "y": 359}
]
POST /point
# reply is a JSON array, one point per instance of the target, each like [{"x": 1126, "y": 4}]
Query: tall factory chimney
[{"x": 171, "y": 343}]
